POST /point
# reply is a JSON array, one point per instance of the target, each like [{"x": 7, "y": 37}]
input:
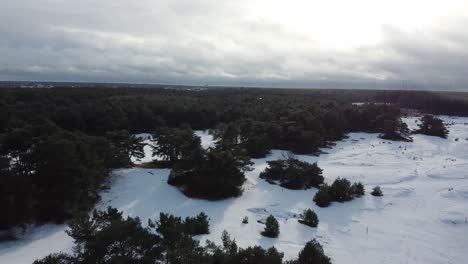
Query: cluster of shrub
[
  {"x": 213, "y": 173},
  {"x": 293, "y": 174},
  {"x": 272, "y": 228},
  {"x": 108, "y": 237},
  {"x": 429, "y": 125},
  {"x": 341, "y": 190}
]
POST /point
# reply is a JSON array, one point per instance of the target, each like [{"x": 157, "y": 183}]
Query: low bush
[
  {"x": 309, "y": 218},
  {"x": 293, "y": 174},
  {"x": 341, "y": 190},
  {"x": 377, "y": 191}
]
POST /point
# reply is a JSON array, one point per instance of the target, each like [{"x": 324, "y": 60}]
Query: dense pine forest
[{"x": 57, "y": 146}]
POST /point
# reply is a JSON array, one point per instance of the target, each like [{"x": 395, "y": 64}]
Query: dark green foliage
[
  {"x": 323, "y": 198},
  {"x": 395, "y": 129},
  {"x": 309, "y": 218},
  {"x": 175, "y": 144},
  {"x": 177, "y": 241},
  {"x": 219, "y": 173},
  {"x": 271, "y": 227},
  {"x": 108, "y": 238},
  {"x": 198, "y": 225},
  {"x": 340, "y": 191},
  {"x": 122, "y": 146},
  {"x": 292, "y": 173},
  {"x": 258, "y": 255},
  {"x": 357, "y": 189},
  {"x": 230, "y": 253},
  {"x": 229, "y": 245},
  {"x": 432, "y": 126},
  {"x": 377, "y": 191},
  {"x": 313, "y": 253},
  {"x": 55, "y": 258},
  {"x": 87, "y": 128},
  {"x": 51, "y": 179},
  {"x": 251, "y": 135}
]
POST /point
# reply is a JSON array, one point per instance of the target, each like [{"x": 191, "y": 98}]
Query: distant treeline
[
  {"x": 57, "y": 146},
  {"x": 97, "y": 110}
]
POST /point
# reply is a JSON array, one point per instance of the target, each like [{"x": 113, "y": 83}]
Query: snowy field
[{"x": 420, "y": 219}]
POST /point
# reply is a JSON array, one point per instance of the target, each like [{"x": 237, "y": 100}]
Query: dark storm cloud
[{"x": 201, "y": 42}]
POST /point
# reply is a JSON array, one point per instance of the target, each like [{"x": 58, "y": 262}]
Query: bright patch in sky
[{"x": 345, "y": 24}]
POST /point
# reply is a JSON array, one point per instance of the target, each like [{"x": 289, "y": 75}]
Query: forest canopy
[{"x": 59, "y": 145}]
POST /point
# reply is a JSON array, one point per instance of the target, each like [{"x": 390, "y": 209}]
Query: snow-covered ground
[{"x": 420, "y": 219}]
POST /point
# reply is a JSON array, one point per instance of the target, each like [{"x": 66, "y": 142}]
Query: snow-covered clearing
[{"x": 420, "y": 219}]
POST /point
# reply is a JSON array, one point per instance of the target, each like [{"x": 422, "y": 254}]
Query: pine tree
[
  {"x": 313, "y": 253},
  {"x": 376, "y": 191},
  {"x": 293, "y": 174},
  {"x": 432, "y": 126},
  {"x": 271, "y": 227},
  {"x": 198, "y": 225},
  {"x": 340, "y": 190},
  {"x": 322, "y": 198},
  {"x": 357, "y": 189},
  {"x": 309, "y": 218}
]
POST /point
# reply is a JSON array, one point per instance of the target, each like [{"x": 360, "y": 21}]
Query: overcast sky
[{"x": 293, "y": 43}]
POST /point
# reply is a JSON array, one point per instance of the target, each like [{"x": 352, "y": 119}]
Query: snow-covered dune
[{"x": 420, "y": 219}]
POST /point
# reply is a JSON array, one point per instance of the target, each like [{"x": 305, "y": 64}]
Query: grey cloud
[{"x": 207, "y": 42}]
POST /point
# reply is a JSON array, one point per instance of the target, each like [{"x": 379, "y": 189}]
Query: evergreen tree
[
  {"x": 174, "y": 144},
  {"x": 395, "y": 129},
  {"x": 432, "y": 126},
  {"x": 322, "y": 198},
  {"x": 340, "y": 190},
  {"x": 229, "y": 245},
  {"x": 107, "y": 237},
  {"x": 219, "y": 174},
  {"x": 292, "y": 173},
  {"x": 198, "y": 225},
  {"x": 123, "y": 146},
  {"x": 258, "y": 255},
  {"x": 357, "y": 189},
  {"x": 55, "y": 258},
  {"x": 377, "y": 191},
  {"x": 271, "y": 227},
  {"x": 313, "y": 253},
  {"x": 309, "y": 218}
]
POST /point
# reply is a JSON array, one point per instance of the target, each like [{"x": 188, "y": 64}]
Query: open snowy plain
[{"x": 420, "y": 219}]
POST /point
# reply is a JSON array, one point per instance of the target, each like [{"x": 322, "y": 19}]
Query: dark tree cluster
[
  {"x": 432, "y": 126},
  {"x": 293, "y": 174},
  {"x": 175, "y": 144},
  {"x": 312, "y": 253},
  {"x": 216, "y": 173},
  {"x": 50, "y": 174},
  {"x": 108, "y": 237},
  {"x": 341, "y": 190},
  {"x": 379, "y": 118},
  {"x": 437, "y": 103}
]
